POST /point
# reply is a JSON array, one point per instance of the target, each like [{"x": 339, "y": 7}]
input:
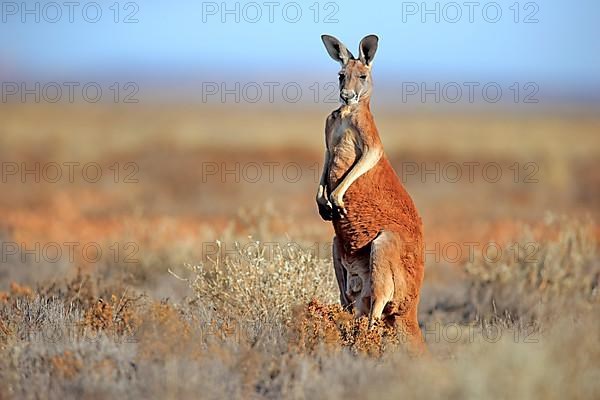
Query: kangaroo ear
[
  {"x": 367, "y": 49},
  {"x": 336, "y": 49}
]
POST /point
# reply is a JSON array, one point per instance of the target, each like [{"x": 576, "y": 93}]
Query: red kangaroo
[{"x": 378, "y": 247}]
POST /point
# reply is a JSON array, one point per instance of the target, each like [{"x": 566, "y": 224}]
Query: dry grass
[
  {"x": 262, "y": 283},
  {"x": 261, "y": 336},
  {"x": 541, "y": 278}
]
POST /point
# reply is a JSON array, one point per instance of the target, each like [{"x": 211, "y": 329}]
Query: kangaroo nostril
[{"x": 348, "y": 94}]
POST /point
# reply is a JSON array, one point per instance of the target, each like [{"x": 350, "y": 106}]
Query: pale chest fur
[{"x": 344, "y": 143}]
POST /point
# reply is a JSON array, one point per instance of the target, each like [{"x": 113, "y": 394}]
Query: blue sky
[{"x": 171, "y": 41}]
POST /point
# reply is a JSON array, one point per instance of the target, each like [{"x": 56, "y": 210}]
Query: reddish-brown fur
[
  {"x": 379, "y": 234},
  {"x": 376, "y": 200}
]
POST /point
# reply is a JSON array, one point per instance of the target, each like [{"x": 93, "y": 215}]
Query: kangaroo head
[{"x": 355, "y": 75}]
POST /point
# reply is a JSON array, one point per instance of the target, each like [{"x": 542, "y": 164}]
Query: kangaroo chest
[{"x": 345, "y": 146}]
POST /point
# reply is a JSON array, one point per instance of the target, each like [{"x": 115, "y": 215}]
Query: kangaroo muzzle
[{"x": 348, "y": 96}]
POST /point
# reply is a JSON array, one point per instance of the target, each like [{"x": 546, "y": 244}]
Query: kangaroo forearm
[
  {"x": 368, "y": 160},
  {"x": 323, "y": 181},
  {"x": 325, "y": 168}
]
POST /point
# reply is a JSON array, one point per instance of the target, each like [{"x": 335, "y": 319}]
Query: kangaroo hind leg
[
  {"x": 384, "y": 254},
  {"x": 340, "y": 274}
]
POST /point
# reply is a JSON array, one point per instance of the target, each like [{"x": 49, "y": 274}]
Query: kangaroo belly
[{"x": 377, "y": 201}]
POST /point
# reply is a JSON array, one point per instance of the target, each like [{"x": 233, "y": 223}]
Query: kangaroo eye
[
  {"x": 363, "y": 77},
  {"x": 341, "y": 75}
]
